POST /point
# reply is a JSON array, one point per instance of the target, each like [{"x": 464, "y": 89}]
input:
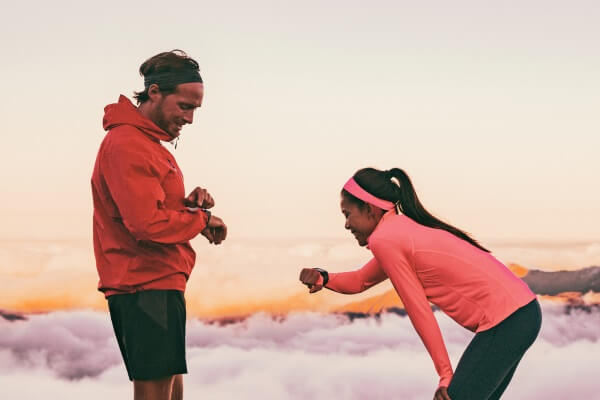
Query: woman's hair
[
  {"x": 380, "y": 184},
  {"x": 163, "y": 64}
]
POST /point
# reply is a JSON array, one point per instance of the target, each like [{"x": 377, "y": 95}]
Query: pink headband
[{"x": 354, "y": 189}]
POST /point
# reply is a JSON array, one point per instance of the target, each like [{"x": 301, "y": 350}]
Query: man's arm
[{"x": 135, "y": 187}]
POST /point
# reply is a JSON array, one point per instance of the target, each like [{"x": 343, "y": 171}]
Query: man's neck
[{"x": 145, "y": 110}]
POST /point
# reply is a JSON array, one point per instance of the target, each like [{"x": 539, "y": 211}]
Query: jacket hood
[{"x": 125, "y": 113}]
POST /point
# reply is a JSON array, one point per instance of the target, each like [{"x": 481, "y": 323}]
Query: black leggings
[{"x": 490, "y": 360}]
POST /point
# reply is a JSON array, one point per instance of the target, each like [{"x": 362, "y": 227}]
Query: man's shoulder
[
  {"x": 127, "y": 138},
  {"x": 123, "y": 134}
]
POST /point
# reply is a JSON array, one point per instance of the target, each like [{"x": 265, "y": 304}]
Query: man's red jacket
[{"x": 142, "y": 227}]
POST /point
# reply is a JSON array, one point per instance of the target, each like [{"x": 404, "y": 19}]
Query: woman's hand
[
  {"x": 311, "y": 278},
  {"x": 441, "y": 394}
]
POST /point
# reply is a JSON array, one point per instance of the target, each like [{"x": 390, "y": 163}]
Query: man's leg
[
  {"x": 150, "y": 329},
  {"x": 177, "y": 392},
  {"x": 159, "y": 389}
]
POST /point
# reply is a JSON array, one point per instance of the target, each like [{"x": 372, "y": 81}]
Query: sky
[{"x": 491, "y": 108}]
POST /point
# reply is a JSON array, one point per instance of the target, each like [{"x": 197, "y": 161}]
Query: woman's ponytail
[{"x": 381, "y": 184}]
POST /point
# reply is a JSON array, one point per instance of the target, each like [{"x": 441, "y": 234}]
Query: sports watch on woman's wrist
[{"x": 324, "y": 274}]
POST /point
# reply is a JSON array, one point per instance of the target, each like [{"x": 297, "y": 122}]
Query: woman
[{"x": 427, "y": 261}]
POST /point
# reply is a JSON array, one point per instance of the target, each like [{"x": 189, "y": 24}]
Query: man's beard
[{"x": 160, "y": 119}]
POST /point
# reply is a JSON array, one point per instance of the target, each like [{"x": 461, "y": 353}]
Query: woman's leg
[
  {"x": 490, "y": 360},
  {"x": 481, "y": 368},
  {"x": 498, "y": 392}
]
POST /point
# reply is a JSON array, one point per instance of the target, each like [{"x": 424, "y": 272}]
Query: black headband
[{"x": 172, "y": 78}]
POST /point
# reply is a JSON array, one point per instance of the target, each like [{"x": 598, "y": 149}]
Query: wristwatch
[
  {"x": 324, "y": 274},
  {"x": 207, "y": 212}
]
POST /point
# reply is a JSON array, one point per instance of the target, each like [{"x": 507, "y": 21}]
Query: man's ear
[{"x": 154, "y": 92}]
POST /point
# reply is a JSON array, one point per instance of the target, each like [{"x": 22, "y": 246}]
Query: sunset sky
[
  {"x": 493, "y": 110},
  {"x": 491, "y": 107}
]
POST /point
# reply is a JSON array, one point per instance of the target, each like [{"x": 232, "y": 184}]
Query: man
[{"x": 143, "y": 224}]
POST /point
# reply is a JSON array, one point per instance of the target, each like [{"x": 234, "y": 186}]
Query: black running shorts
[{"x": 150, "y": 330}]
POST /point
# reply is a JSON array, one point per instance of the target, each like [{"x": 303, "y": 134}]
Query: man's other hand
[
  {"x": 216, "y": 230},
  {"x": 199, "y": 198}
]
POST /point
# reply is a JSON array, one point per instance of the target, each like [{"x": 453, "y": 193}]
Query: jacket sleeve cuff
[
  {"x": 202, "y": 215},
  {"x": 445, "y": 381},
  {"x": 207, "y": 213}
]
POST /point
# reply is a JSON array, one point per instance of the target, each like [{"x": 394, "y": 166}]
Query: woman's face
[{"x": 360, "y": 221}]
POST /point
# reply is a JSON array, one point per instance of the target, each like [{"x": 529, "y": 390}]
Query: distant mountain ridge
[
  {"x": 12, "y": 316},
  {"x": 553, "y": 283}
]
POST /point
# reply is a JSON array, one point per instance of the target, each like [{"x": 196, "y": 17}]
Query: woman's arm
[
  {"x": 411, "y": 292},
  {"x": 345, "y": 282},
  {"x": 356, "y": 281}
]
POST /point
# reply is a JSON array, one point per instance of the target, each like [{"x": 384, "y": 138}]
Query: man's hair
[{"x": 161, "y": 66}]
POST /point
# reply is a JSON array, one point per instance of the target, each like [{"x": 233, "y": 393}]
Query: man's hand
[
  {"x": 310, "y": 277},
  {"x": 215, "y": 231},
  {"x": 441, "y": 394},
  {"x": 199, "y": 198}
]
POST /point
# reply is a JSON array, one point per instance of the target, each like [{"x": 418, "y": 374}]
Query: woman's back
[{"x": 468, "y": 284}]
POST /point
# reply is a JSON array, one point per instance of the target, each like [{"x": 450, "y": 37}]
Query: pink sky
[{"x": 491, "y": 110}]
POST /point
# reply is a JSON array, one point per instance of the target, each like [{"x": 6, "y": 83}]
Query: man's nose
[
  {"x": 188, "y": 117},
  {"x": 347, "y": 226}
]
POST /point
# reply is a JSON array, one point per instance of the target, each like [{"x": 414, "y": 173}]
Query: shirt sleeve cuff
[
  {"x": 319, "y": 281},
  {"x": 445, "y": 381}
]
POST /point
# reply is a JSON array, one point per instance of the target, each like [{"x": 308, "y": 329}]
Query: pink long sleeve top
[{"x": 432, "y": 265}]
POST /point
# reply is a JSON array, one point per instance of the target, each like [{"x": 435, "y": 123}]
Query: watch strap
[
  {"x": 208, "y": 214},
  {"x": 324, "y": 274}
]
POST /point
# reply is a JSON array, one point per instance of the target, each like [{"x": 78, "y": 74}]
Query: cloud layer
[{"x": 305, "y": 355}]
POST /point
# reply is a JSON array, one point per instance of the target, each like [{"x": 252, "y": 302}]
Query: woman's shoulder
[
  {"x": 394, "y": 226},
  {"x": 392, "y": 234}
]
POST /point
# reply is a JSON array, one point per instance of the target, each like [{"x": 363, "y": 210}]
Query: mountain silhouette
[{"x": 556, "y": 282}]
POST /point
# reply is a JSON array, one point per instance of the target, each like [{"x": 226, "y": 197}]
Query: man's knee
[
  {"x": 157, "y": 389},
  {"x": 177, "y": 391}
]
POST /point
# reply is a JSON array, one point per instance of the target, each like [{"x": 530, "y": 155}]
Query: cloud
[
  {"x": 71, "y": 344},
  {"x": 305, "y": 355},
  {"x": 549, "y": 256}
]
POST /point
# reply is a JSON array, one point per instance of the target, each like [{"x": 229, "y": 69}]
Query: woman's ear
[{"x": 372, "y": 211}]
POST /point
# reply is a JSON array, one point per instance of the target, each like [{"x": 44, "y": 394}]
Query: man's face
[{"x": 177, "y": 109}]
